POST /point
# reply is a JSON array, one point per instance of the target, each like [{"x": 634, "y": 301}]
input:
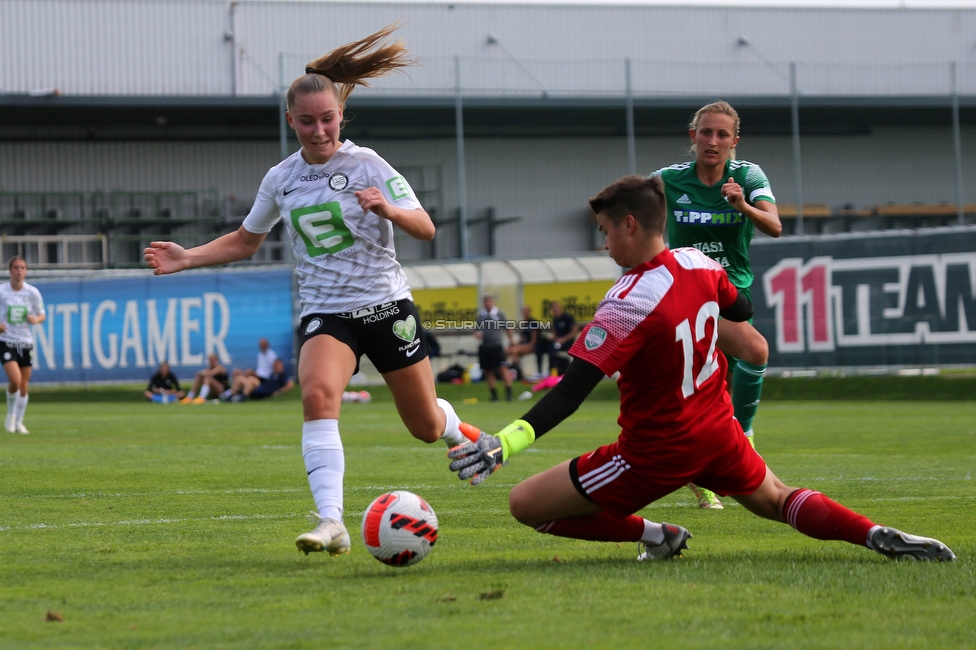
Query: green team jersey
[{"x": 699, "y": 216}]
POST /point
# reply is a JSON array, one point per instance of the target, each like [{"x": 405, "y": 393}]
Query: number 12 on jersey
[{"x": 687, "y": 339}]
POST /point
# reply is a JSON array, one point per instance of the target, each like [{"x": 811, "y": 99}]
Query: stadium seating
[
  {"x": 126, "y": 220},
  {"x": 819, "y": 218}
]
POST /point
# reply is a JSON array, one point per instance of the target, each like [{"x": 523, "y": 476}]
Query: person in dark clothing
[
  {"x": 253, "y": 388},
  {"x": 163, "y": 386},
  {"x": 565, "y": 329}
]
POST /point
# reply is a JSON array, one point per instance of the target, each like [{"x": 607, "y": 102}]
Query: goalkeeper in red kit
[{"x": 657, "y": 327}]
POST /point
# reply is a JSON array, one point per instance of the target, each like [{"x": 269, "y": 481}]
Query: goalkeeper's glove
[{"x": 479, "y": 460}]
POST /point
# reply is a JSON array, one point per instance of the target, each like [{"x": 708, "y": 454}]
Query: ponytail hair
[{"x": 350, "y": 65}]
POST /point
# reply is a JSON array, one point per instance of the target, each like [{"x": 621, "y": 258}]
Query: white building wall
[
  {"x": 232, "y": 168},
  {"x": 189, "y": 47}
]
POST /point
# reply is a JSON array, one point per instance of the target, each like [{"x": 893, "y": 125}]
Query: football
[{"x": 399, "y": 528}]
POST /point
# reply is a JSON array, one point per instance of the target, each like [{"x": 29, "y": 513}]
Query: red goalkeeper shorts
[{"x": 622, "y": 481}]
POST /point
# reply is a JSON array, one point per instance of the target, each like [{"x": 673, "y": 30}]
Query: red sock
[
  {"x": 815, "y": 515},
  {"x": 601, "y": 527}
]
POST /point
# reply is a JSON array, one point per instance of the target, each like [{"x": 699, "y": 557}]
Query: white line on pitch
[
  {"x": 417, "y": 487},
  {"x": 170, "y": 521}
]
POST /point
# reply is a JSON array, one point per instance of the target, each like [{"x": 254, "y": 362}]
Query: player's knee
[
  {"x": 426, "y": 424},
  {"x": 757, "y": 351},
  {"x": 520, "y": 505},
  {"x": 320, "y": 402},
  {"x": 426, "y": 430}
]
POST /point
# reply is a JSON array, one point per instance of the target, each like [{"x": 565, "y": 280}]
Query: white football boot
[
  {"x": 330, "y": 536},
  {"x": 675, "y": 540},
  {"x": 898, "y": 545}
]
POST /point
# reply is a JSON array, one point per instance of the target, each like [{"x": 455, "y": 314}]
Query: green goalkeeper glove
[{"x": 479, "y": 460}]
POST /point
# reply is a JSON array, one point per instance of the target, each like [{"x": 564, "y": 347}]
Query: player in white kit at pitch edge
[{"x": 21, "y": 306}]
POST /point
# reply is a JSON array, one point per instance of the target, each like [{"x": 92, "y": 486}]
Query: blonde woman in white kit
[
  {"x": 340, "y": 203},
  {"x": 21, "y": 306}
]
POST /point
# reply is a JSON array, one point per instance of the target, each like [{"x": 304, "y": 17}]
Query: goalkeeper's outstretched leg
[{"x": 817, "y": 516}]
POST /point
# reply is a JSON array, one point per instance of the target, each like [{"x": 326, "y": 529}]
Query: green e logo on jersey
[
  {"x": 398, "y": 188},
  {"x": 16, "y": 314},
  {"x": 322, "y": 228}
]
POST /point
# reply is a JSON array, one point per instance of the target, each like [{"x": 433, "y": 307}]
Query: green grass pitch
[{"x": 149, "y": 526}]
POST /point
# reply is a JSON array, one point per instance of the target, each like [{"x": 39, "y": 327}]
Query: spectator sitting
[
  {"x": 265, "y": 362},
  {"x": 250, "y": 387},
  {"x": 565, "y": 329},
  {"x": 262, "y": 370},
  {"x": 212, "y": 379},
  {"x": 528, "y": 343},
  {"x": 163, "y": 386}
]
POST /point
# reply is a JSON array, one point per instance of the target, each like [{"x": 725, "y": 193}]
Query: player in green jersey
[{"x": 715, "y": 203}]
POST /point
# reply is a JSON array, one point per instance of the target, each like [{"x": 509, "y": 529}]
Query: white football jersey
[
  {"x": 15, "y": 306},
  {"x": 345, "y": 256},
  {"x": 265, "y": 363}
]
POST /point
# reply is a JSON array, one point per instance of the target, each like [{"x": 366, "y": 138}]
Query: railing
[
  {"x": 56, "y": 229},
  {"x": 58, "y": 251},
  {"x": 822, "y": 218}
]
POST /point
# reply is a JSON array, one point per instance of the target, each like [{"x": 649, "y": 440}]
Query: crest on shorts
[
  {"x": 338, "y": 181},
  {"x": 313, "y": 325},
  {"x": 595, "y": 336},
  {"x": 406, "y": 329}
]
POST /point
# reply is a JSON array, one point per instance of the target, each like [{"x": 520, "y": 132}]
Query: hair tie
[{"x": 310, "y": 70}]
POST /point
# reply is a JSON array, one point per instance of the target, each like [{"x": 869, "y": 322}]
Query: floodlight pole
[
  {"x": 957, "y": 142},
  {"x": 237, "y": 62},
  {"x": 282, "y": 107},
  {"x": 795, "y": 115},
  {"x": 631, "y": 135},
  {"x": 462, "y": 181},
  {"x": 798, "y": 175}
]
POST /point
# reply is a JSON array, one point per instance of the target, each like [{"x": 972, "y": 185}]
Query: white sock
[
  {"x": 20, "y": 406},
  {"x": 325, "y": 464},
  {"x": 653, "y": 533},
  {"x": 452, "y": 434},
  {"x": 868, "y": 541},
  {"x": 11, "y": 403},
  {"x": 204, "y": 391},
  {"x": 191, "y": 394}
]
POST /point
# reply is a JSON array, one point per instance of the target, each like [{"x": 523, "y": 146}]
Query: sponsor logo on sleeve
[
  {"x": 595, "y": 337},
  {"x": 398, "y": 188}
]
